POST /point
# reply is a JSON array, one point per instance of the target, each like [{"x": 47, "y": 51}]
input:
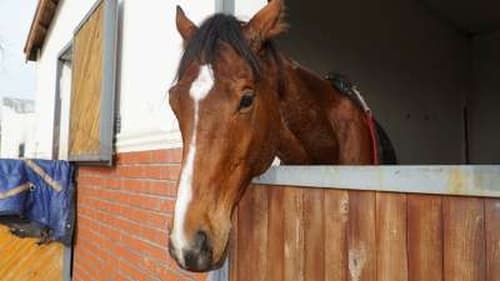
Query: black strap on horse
[{"x": 384, "y": 152}]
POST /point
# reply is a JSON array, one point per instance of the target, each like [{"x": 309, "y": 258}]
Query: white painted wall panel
[
  {"x": 65, "y": 88},
  {"x": 17, "y": 129},
  {"x": 150, "y": 51},
  {"x": 245, "y": 9}
]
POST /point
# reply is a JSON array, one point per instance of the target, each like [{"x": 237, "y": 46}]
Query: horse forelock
[{"x": 204, "y": 46}]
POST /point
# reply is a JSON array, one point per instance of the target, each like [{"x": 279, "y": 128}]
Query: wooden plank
[
  {"x": 391, "y": 237},
  {"x": 252, "y": 224},
  {"x": 464, "y": 248},
  {"x": 276, "y": 230},
  {"x": 314, "y": 239},
  {"x": 87, "y": 77},
  {"x": 23, "y": 259},
  {"x": 336, "y": 214},
  {"x": 425, "y": 243},
  {"x": 294, "y": 234},
  {"x": 492, "y": 227},
  {"x": 361, "y": 236}
]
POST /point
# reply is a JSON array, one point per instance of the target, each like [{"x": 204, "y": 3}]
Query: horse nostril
[
  {"x": 201, "y": 241},
  {"x": 198, "y": 261},
  {"x": 199, "y": 257}
]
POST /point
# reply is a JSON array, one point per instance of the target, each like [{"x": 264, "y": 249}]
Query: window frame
[{"x": 108, "y": 84}]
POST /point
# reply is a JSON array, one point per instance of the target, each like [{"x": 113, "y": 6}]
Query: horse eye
[{"x": 246, "y": 100}]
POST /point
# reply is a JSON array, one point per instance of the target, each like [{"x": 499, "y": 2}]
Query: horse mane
[{"x": 204, "y": 45}]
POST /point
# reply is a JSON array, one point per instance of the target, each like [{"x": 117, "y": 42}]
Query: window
[{"x": 92, "y": 64}]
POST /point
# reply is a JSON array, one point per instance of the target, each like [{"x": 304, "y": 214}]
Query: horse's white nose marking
[{"x": 200, "y": 88}]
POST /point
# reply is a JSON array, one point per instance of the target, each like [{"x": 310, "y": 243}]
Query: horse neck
[{"x": 319, "y": 124}]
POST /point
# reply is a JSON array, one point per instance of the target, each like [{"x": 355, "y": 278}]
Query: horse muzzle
[{"x": 198, "y": 257}]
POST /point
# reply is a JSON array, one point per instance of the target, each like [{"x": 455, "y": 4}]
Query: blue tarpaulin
[{"x": 41, "y": 191}]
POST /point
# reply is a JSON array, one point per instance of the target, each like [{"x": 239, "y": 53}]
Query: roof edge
[{"x": 40, "y": 24}]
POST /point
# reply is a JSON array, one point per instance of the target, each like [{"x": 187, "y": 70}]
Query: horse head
[{"x": 225, "y": 99}]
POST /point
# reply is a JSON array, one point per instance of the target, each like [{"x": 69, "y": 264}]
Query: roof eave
[{"x": 42, "y": 20}]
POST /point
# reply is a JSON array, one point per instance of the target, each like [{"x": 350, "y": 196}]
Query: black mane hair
[{"x": 204, "y": 45}]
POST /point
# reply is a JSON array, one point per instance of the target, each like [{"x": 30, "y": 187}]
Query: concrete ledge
[{"x": 465, "y": 180}]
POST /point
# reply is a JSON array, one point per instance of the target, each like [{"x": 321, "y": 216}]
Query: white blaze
[{"x": 200, "y": 88}]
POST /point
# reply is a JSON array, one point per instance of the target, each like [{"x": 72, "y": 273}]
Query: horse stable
[{"x": 115, "y": 91}]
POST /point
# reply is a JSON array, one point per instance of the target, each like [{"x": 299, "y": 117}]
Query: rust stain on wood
[
  {"x": 425, "y": 238},
  {"x": 252, "y": 222},
  {"x": 361, "y": 235},
  {"x": 391, "y": 237},
  {"x": 276, "y": 244},
  {"x": 336, "y": 214},
  {"x": 492, "y": 229},
  {"x": 24, "y": 260},
  {"x": 294, "y": 234},
  {"x": 463, "y": 230},
  {"x": 314, "y": 235}
]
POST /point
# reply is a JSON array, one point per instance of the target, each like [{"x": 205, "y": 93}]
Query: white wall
[
  {"x": 245, "y": 9},
  {"x": 484, "y": 100},
  {"x": 65, "y": 95},
  {"x": 411, "y": 67},
  {"x": 17, "y": 128},
  {"x": 149, "y": 50}
]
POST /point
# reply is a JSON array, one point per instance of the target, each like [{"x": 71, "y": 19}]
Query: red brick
[
  {"x": 130, "y": 270},
  {"x": 123, "y": 216},
  {"x": 170, "y": 172},
  {"x": 134, "y": 157},
  {"x": 167, "y": 156},
  {"x": 158, "y": 220}
]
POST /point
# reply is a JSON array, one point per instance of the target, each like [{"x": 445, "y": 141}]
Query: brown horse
[{"x": 239, "y": 104}]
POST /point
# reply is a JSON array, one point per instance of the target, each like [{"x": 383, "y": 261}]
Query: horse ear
[
  {"x": 184, "y": 25},
  {"x": 266, "y": 24}
]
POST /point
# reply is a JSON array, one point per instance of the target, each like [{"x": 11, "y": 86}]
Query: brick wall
[{"x": 122, "y": 217}]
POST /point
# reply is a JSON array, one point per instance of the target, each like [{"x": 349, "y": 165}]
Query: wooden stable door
[
  {"x": 24, "y": 260},
  {"x": 312, "y": 234}
]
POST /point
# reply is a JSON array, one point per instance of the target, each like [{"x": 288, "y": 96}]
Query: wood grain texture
[
  {"x": 425, "y": 238},
  {"x": 492, "y": 229},
  {"x": 294, "y": 234},
  {"x": 87, "y": 75},
  {"x": 464, "y": 247},
  {"x": 24, "y": 260},
  {"x": 361, "y": 236},
  {"x": 276, "y": 234},
  {"x": 253, "y": 223},
  {"x": 290, "y": 233},
  {"x": 314, "y": 239},
  {"x": 336, "y": 214},
  {"x": 391, "y": 237}
]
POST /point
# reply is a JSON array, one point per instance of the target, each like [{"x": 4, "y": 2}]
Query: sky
[{"x": 17, "y": 78}]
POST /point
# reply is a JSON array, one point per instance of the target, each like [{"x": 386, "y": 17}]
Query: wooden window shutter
[{"x": 93, "y": 85}]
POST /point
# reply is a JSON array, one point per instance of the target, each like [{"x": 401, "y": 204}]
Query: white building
[
  {"x": 17, "y": 128},
  {"x": 418, "y": 91},
  {"x": 148, "y": 50}
]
